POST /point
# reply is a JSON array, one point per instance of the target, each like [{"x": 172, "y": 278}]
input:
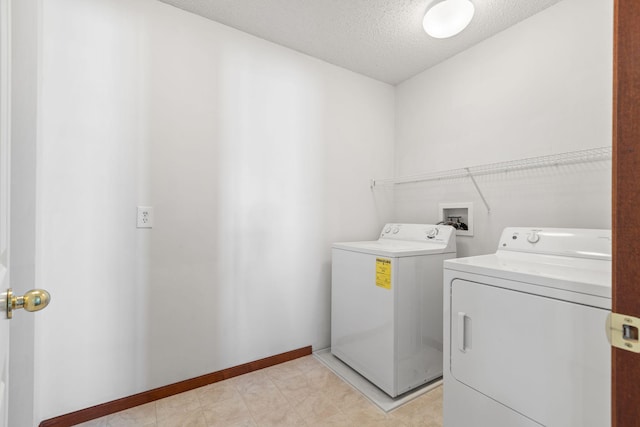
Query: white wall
[
  {"x": 543, "y": 86},
  {"x": 255, "y": 159}
]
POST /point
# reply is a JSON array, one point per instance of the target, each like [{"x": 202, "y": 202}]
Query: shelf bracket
[{"x": 475, "y": 184}]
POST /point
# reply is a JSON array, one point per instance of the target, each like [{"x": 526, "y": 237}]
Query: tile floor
[{"x": 302, "y": 392}]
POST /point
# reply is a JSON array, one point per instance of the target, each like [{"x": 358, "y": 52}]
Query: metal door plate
[{"x": 623, "y": 332}]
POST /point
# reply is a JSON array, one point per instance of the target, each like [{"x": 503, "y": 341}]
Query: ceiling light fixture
[{"x": 448, "y": 18}]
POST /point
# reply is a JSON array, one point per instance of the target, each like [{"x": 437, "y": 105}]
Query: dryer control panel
[{"x": 574, "y": 242}]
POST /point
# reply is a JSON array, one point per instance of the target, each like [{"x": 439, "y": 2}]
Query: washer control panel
[{"x": 419, "y": 232}]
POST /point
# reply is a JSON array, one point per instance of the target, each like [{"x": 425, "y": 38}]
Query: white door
[
  {"x": 32, "y": 300},
  {"x": 4, "y": 205}
]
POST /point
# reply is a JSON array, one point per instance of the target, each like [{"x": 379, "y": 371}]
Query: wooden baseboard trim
[{"x": 118, "y": 405}]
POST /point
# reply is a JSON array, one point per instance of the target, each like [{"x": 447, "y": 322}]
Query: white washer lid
[
  {"x": 582, "y": 275},
  {"x": 393, "y": 248}
]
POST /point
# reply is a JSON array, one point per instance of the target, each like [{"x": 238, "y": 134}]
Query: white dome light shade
[{"x": 448, "y": 18}]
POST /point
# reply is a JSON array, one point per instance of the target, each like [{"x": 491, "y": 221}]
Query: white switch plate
[{"x": 145, "y": 217}]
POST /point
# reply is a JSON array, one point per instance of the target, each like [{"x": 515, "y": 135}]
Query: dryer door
[{"x": 546, "y": 359}]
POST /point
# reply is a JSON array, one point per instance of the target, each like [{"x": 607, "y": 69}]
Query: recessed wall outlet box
[
  {"x": 145, "y": 217},
  {"x": 461, "y": 212}
]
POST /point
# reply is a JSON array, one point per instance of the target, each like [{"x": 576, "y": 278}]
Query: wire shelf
[{"x": 573, "y": 157}]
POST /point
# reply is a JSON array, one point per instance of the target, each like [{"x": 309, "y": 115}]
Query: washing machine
[
  {"x": 525, "y": 341},
  {"x": 386, "y": 304}
]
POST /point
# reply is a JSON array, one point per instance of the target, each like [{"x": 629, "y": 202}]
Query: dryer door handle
[{"x": 461, "y": 323}]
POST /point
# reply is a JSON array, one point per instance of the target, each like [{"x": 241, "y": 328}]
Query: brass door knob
[{"x": 33, "y": 300}]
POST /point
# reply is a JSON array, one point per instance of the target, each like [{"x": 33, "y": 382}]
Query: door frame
[
  {"x": 23, "y": 64},
  {"x": 625, "y": 365},
  {"x": 5, "y": 199}
]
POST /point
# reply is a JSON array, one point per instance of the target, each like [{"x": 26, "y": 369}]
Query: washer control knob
[
  {"x": 387, "y": 229},
  {"x": 432, "y": 233},
  {"x": 395, "y": 230},
  {"x": 533, "y": 237}
]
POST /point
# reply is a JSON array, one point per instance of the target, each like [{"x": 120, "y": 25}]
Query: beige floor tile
[
  {"x": 217, "y": 392},
  {"x": 321, "y": 378},
  {"x": 337, "y": 420},
  {"x": 307, "y": 363},
  {"x": 344, "y": 396},
  {"x": 315, "y": 408},
  {"x": 418, "y": 422},
  {"x": 302, "y": 392},
  {"x": 244, "y": 420},
  {"x": 250, "y": 382},
  {"x": 434, "y": 396},
  {"x": 183, "y": 403},
  {"x": 389, "y": 422},
  {"x": 229, "y": 409},
  {"x": 366, "y": 415},
  {"x": 184, "y": 419},
  {"x": 426, "y": 410},
  {"x": 99, "y": 422},
  {"x": 259, "y": 388},
  {"x": 349, "y": 420},
  {"x": 140, "y": 416},
  {"x": 265, "y": 401},
  {"x": 283, "y": 371},
  {"x": 294, "y": 388},
  {"x": 430, "y": 402},
  {"x": 282, "y": 416}
]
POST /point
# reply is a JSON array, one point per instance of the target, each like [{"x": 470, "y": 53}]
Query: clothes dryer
[
  {"x": 525, "y": 341},
  {"x": 386, "y": 304}
]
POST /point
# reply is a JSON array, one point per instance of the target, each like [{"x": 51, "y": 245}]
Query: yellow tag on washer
[{"x": 383, "y": 273}]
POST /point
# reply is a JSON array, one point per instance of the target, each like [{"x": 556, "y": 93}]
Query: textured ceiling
[{"x": 382, "y": 39}]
